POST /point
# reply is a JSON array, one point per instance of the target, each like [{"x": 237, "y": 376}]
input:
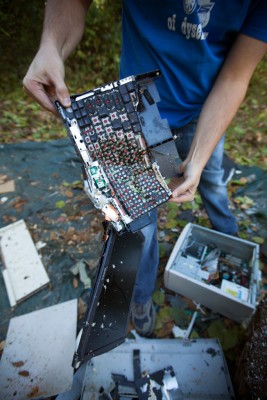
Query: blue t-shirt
[{"x": 188, "y": 41}]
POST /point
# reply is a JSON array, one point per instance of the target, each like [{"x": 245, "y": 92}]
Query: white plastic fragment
[{"x": 22, "y": 268}]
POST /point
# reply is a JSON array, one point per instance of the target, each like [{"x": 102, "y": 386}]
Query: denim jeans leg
[
  {"x": 214, "y": 194},
  {"x": 147, "y": 274},
  {"x": 212, "y": 188}
]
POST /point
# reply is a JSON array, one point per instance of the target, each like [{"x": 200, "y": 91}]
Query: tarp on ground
[{"x": 49, "y": 196}]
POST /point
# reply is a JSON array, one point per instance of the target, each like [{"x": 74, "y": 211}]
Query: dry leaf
[
  {"x": 2, "y": 345},
  {"x": 18, "y": 364},
  {"x": 75, "y": 283},
  {"x": 68, "y": 193},
  {"x": 24, "y": 373}
]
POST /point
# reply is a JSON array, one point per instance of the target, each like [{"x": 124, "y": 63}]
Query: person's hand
[
  {"x": 184, "y": 187},
  {"x": 44, "y": 80}
]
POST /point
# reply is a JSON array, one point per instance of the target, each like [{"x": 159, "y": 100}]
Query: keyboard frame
[{"x": 147, "y": 129}]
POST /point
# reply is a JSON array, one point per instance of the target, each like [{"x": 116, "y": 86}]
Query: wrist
[
  {"x": 49, "y": 46},
  {"x": 190, "y": 166}
]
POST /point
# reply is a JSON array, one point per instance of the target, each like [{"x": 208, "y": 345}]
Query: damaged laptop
[{"x": 127, "y": 152}]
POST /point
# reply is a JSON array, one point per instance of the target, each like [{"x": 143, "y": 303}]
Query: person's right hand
[{"x": 44, "y": 80}]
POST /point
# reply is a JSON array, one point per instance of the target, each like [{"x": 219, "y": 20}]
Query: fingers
[
  {"x": 62, "y": 94},
  {"x": 184, "y": 192},
  {"x": 176, "y": 181},
  {"x": 184, "y": 187},
  {"x": 46, "y": 93},
  {"x": 37, "y": 91},
  {"x": 188, "y": 195},
  {"x": 44, "y": 80}
]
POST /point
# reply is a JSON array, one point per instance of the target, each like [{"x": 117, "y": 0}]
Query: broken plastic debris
[
  {"x": 23, "y": 271},
  {"x": 3, "y": 199},
  {"x": 39, "y": 245},
  {"x": 80, "y": 268},
  {"x": 6, "y": 184}
]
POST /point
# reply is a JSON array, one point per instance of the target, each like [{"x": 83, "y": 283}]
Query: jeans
[
  {"x": 148, "y": 268},
  {"x": 212, "y": 188},
  {"x": 213, "y": 191}
]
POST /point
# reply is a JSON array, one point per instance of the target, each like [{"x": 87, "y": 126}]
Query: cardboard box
[{"x": 215, "y": 283}]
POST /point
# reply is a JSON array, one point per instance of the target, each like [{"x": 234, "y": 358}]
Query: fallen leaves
[
  {"x": 74, "y": 185},
  {"x": 258, "y": 239},
  {"x": 6, "y": 184},
  {"x": 18, "y": 203},
  {"x": 75, "y": 283},
  {"x": 34, "y": 392},
  {"x": 228, "y": 336},
  {"x": 18, "y": 364},
  {"x": 24, "y": 373},
  {"x": 244, "y": 202},
  {"x": 159, "y": 297},
  {"x": 60, "y": 204},
  {"x": 68, "y": 193},
  {"x": 2, "y": 346}
]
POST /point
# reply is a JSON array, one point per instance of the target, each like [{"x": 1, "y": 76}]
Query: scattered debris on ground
[{"x": 49, "y": 196}]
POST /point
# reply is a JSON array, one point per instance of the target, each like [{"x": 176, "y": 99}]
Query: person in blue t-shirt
[{"x": 207, "y": 52}]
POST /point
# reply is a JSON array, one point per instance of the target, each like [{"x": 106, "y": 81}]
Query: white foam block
[
  {"x": 23, "y": 270},
  {"x": 36, "y": 362}
]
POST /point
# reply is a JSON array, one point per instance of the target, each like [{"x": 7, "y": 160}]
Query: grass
[
  {"x": 22, "y": 119},
  {"x": 246, "y": 139}
]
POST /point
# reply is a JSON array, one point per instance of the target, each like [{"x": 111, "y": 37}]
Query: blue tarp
[{"x": 49, "y": 196}]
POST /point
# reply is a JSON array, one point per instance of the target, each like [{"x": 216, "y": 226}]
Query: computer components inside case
[{"x": 216, "y": 270}]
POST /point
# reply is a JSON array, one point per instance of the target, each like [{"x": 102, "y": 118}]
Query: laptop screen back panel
[{"x": 106, "y": 321}]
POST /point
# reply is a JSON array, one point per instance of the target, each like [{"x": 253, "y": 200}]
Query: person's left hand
[{"x": 184, "y": 187}]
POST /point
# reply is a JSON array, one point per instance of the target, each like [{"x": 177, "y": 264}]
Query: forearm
[
  {"x": 225, "y": 97},
  {"x": 64, "y": 25},
  {"x": 62, "y": 30},
  {"x": 217, "y": 113}
]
